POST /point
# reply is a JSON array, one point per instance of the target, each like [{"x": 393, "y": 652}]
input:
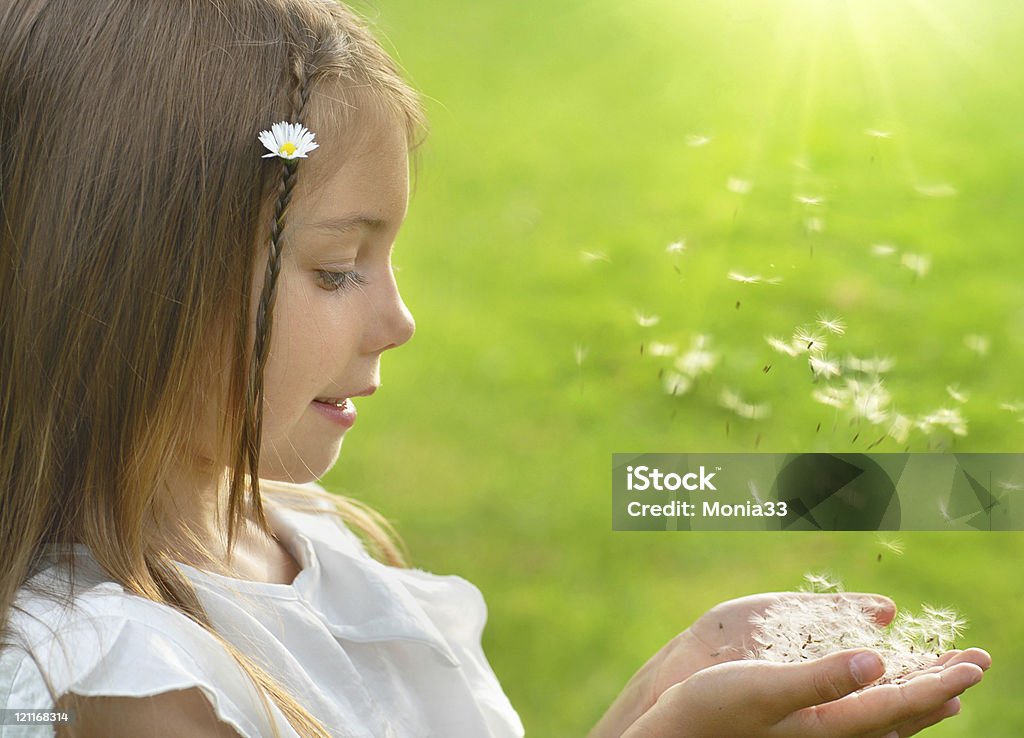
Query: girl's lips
[{"x": 344, "y": 416}]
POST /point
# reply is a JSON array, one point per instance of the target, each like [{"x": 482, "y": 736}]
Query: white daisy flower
[{"x": 288, "y": 140}]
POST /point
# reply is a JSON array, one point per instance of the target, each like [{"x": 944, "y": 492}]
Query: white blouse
[{"x": 368, "y": 649}]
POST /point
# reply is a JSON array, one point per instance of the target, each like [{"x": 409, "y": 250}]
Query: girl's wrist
[{"x": 635, "y": 699}]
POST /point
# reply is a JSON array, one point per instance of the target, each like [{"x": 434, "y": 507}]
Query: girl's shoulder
[{"x": 104, "y": 641}]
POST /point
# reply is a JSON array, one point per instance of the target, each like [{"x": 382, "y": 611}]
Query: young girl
[{"x": 192, "y": 290}]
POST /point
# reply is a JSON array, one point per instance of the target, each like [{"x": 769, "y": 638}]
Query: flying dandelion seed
[
  {"x": 977, "y": 343},
  {"x": 944, "y": 417},
  {"x": 695, "y": 140},
  {"x": 876, "y": 133},
  {"x": 645, "y": 321},
  {"x": 823, "y": 367},
  {"x": 883, "y": 249},
  {"x": 918, "y": 264},
  {"x": 739, "y": 186},
  {"x": 753, "y": 278},
  {"x": 755, "y": 492},
  {"x": 589, "y": 257},
  {"x": 875, "y": 365},
  {"x": 580, "y": 353},
  {"x": 832, "y": 324},
  {"x": 821, "y": 582},
  {"x": 676, "y": 384},
  {"x": 676, "y": 247},
  {"x": 1014, "y": 407},
  {"x": 698, "y": 360},
  {"x": 831, "y": 396},
  {"x": 936, "y": 190},
  {"x": 808, "y": 341},
  {"x": 954, "y": 391},
  {"x": 1010, "y": 485},
  {"x": 892, "y": 545},
  {"x": 731, "y": 400},
  {"x": 809, "y": 199},
  {"x": 869, "y": 401},
  {"x": 662, "y": 349},
  {"x": 900, "y": 429},
  {"x": 783, "y": 347},
  {"x": 815, "y": 225}
]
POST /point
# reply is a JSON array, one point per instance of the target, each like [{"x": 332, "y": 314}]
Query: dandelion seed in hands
[{"x": 799, "y": 629}]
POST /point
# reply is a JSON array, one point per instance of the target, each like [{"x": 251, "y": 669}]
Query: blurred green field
[{"x": 567, "y": 152}]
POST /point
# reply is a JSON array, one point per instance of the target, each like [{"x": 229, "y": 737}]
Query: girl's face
[{"x": 337, "y": 306}]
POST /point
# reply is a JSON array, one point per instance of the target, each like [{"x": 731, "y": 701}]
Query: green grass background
[{"x": 562, "y": 127}]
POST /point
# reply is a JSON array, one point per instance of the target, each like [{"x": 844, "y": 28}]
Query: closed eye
[{"x": 340, "y": 281}]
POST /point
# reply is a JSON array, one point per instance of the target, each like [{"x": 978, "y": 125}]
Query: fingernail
[{"x": 866, "y": 667}]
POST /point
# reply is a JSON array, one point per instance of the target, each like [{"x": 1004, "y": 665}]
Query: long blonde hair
[{"x": 134, "y": 201}]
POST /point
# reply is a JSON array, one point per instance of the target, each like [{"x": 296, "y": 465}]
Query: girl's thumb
[{"x": 828, "y": 678}]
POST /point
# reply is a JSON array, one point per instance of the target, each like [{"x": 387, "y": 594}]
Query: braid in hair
[{"x": 265, "y": 311}]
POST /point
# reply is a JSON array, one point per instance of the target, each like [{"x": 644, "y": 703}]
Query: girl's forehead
[{"x": 360, "y": 168}]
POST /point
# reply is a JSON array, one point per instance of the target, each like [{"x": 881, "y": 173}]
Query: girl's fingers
[
  {"x": 948, "y": 709},
  {"x": 792, "y": 687},
  {"x": 886, "y": 707}
]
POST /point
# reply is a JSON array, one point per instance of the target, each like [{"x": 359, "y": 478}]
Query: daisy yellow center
[{"x": 287, "y": 148}]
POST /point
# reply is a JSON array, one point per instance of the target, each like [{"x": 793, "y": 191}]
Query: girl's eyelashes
[{"x": 337, "y": 281}]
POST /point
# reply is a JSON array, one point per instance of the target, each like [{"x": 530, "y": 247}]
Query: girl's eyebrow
[{"x": 347, "y": 223}]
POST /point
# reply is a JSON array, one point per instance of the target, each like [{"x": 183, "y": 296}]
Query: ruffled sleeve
[{"x": 115, "y": 644}]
